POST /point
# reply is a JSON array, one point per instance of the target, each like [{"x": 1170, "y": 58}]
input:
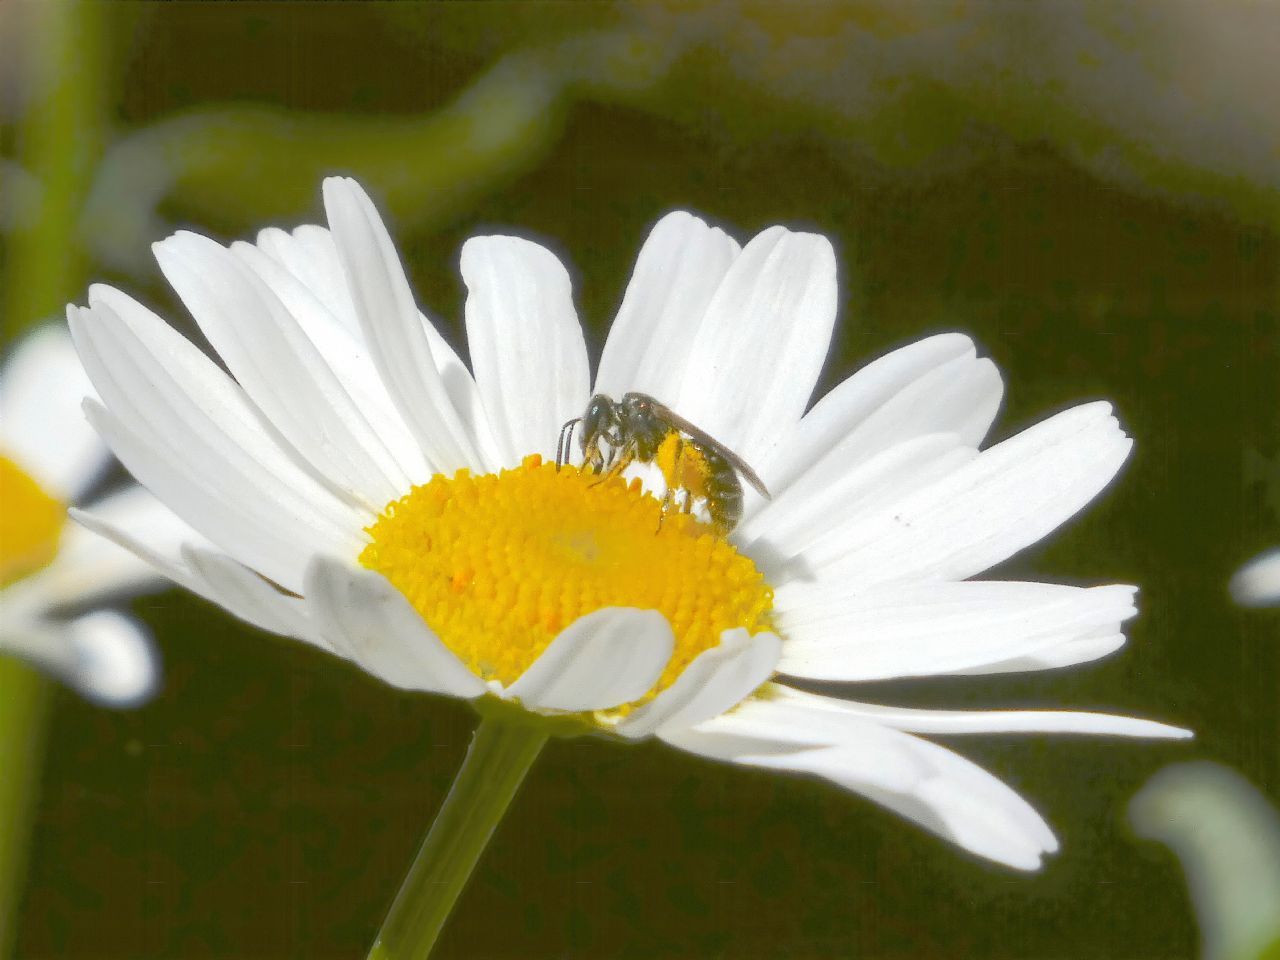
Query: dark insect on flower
[{"x": 639, "y": 429}]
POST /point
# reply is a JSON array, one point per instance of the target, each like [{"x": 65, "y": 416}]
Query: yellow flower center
[
  {"x": 30, "y": 523},
  {"x": 499, "y": 564}
]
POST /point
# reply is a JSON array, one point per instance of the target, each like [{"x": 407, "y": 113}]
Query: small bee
[{"x": 639, "y": 429}]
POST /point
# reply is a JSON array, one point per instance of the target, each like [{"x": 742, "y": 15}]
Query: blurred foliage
[
  {"x": 1089, "y": 189},
  {"x": 261, "y": 163},
  {"x": 893, "y": 90}
]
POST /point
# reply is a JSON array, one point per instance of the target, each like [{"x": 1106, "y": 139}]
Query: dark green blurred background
[{"x": 1045, "y": 178}]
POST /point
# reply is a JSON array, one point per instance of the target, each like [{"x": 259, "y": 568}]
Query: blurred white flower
[
  {"x": 364, "y": 491},
  {"x": 52, "y": 571},
  {"x": 1257, "y": 583},
  {"x": 1227, "y": 837}
]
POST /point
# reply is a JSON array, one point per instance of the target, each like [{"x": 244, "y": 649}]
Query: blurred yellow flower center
[
  {"x": 30, "y": 523},
  {"x": 499, "y": 564}
]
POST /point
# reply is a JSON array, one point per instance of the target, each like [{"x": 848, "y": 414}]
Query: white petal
[
  {"x": 1257, "y": 583},
  {"x": 716, "y": 680},
  {"x": 526, "y": 343},
  {"x": 959, "y": 397},
  {"x": 679, "y": 269},
  {"x": 368, "y": 620},
  {"x": 311, "y": 257},
  {"x": 1006, "y": 499},
  {"x": 343, "y": 350},
  {"x": 1068, "y": 653},
  {"x": 244, "y": 593},
  {"x": 950, "y": 722},
  {"x": 967, "y": 805},
  {"x": 251, "y": 536},
  {"x": 603, "y": 659},
  {"x": 40, "y": 641},
  {"x": 836, "y": 493},
  {"x": 768, "y": 733},
  {"x": 755, "y": 358},
  {"x": 116, "y": 661},
  {"x": 89, "y": 566},
  {"x": 920, "y": 780},
  {"x": 924, "y": 629},
  {"x": 841, "y": 411},
  {"x": 268, "y": 541},
  {"x": 460, "y": 386},
  {"x": 107, "y": 657},
  {"x": 393, "y": 328},
  {"x": 164, "y": 557},
  {"x": 305, "y": 272},
  {"x": 216, "y": 578},
  {"x": 311, "y": 284},
  {"x": 281, "y": 370},
  {"x": 191, "y": 436},
  {"x": 41, "y": 425}
]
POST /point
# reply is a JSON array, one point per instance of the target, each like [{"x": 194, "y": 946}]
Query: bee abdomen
[{"x": 723, "y": 489}]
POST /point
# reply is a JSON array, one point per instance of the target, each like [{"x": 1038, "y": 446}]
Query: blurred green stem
[
  {"x": 24, "y": 706},
  {"x": 58, "y": 141},
  {"x": 501, "y": 753}
]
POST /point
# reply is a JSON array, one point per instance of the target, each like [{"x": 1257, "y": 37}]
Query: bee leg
[
  {"x": 564, "y": 448},
  {"x": 668, "y": 501},
  {"x": 674, "y": 483},
  {"x": 686, "y": 502},
  {"x": 615, "y": 468}
]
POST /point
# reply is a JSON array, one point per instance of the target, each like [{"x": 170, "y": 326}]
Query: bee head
[{"x": 599, "y": 422}]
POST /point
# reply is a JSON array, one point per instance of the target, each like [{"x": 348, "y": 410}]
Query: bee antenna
[{"x": 565, "y": 442}]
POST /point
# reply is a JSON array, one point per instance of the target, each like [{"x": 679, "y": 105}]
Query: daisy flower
[
  {"x": 362, "y": 489},
  {"x": 52, "y": 570},
  {"x": 1257, "y": 583}
]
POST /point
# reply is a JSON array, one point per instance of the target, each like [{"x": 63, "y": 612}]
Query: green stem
[
  {"x": 59, "y": 141},
  {"x": 24, "y": 705},
  {"x": 501, "y": 753}
]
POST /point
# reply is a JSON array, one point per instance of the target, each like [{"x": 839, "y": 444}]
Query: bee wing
[{"x": 697, "y": 433}]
